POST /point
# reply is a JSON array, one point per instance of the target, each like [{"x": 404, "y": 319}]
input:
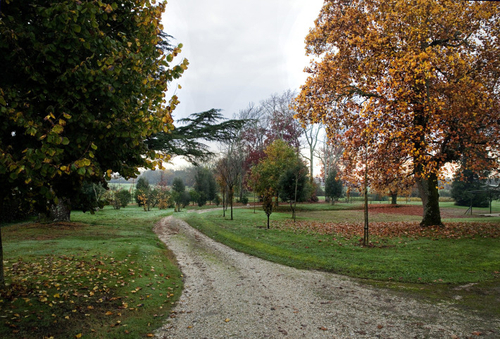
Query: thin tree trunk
[
  {"x": 311, "y": 165},
  {"x": 231, "y": 197},
  {"x": 224, "y": 203},
  {"x": 254, "y": 201},
  {"x": 295, "y": 200},
  {"x": 2, "y": 281},
  {"x": 365, "y": 233},
  {"x": 428, "y": 189}
]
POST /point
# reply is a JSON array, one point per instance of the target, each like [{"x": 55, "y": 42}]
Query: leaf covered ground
[
  {"x": 109, "y": 280},
  {"x": 395, "y": 229}
]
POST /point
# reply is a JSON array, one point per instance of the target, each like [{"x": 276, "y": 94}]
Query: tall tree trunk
[
  {"x": 61, "y": 211},
  {"x": 224, "y": 203},
  {"x": 295, "y": 198},
  {"x": 231, "y": 197},
  {"x": 311, "y": 164},
  {"x": 366, "y": 239},
  {"x": 2, "y": 281},
  {"x": 428, "y": 189},
  {"x": 394, "y": 198}
]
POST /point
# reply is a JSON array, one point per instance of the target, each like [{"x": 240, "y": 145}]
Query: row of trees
[
  {"x": 404, "y": 88},
  {"x": 176, "y": 195}
]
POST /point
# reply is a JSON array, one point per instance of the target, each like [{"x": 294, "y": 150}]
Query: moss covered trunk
[
  {"x": 60, "y": 211},
  {"x": 428, "y": 189}
]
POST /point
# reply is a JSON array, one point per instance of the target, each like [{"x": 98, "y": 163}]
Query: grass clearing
[
  {"x": 101, "y": 276},
  {"x": 430, "y": 263},
  {"x": 398, "y": 252}
]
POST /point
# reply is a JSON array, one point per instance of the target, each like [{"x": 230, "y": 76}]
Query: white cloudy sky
[{"x": 239, "y": 51}]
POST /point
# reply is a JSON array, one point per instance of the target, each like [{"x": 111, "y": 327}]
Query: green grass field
[
  {"x": 430, "y": 263},
  {"x": 108, "y": 276},
  {"x": 407, "y": 259},
  {"x": 102, "y": 276}
]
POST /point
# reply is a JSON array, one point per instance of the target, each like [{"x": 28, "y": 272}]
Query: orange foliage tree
[{"x": 407, "y": 83}]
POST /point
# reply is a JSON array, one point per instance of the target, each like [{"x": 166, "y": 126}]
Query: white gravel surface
[{"x": 229, "y": 294}]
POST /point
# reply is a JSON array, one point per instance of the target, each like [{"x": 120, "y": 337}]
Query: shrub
[{"x": 123, "y": 197}]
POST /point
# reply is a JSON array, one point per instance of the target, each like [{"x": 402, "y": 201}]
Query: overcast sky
[{"x": 239, "y": 51}]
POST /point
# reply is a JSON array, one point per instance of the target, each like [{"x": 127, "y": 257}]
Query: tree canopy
[
  {"x": 83, "y": 86},
  {"x": 407, "y": 83},
  {"x": 333, "y": 185},
  {"x": 184, "y": 139},
  {"x": 468, "y": 189},
  {"x": 266, "y": 174},
  {"x": 205, "y": 185}
]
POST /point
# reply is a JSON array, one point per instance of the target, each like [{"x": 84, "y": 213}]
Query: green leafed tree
[
  {"x": 179, "y": 194},
  {"x": 124, "y": 197},
  {"x": 279, "y": 156},
  {"x": 185, "y": 139},
  {"x": 468, "y": 189},
  {"x": 265, "y": 177},
  {"x": 294, "y": 185},
  {"x": 82, "y": 87},
  {"x": 333, "y": 186},
  {"x": 141, "y": 188},
  {"x": 204, "y": 185}
]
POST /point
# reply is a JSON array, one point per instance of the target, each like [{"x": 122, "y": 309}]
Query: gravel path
[{"x": 233, "y": 295}]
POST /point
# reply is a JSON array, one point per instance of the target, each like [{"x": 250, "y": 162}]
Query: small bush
[{"x": 123, "y": 197}]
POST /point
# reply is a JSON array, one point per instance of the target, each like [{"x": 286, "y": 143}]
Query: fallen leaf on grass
[{"x": 410, "y": 229}]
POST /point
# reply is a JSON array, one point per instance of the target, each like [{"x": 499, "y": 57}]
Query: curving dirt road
[{"x": 233, "y": 295}]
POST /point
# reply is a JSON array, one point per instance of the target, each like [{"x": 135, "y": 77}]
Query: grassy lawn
[
  {"x": 101, "y": 276},
  {"x": 108, "y": 276},
  {"x": 432, "y": 262}
]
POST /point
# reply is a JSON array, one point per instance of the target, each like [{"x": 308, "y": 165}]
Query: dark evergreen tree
[
  {"x": 179, "y": 194},
  {"x": 294, "y": 185},
  {"x": 204, "y": 185},
  {"x": 90, "y": 197},
  {"x": 184, "y": 140},
  {"x": 124, "y": 197},
  {"x": 468, "y": 189},
  {"x": 333, "y": 186},
  {"x": 178, "y": 185}
]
